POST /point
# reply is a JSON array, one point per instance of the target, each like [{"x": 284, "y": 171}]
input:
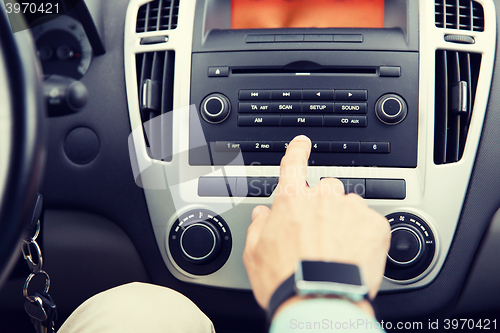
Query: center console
[{"x": 367, "y": 88}]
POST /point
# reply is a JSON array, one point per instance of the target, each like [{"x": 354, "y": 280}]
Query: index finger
[{"x": 294, "y": 163}]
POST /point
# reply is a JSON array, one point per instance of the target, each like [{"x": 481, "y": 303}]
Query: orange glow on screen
[{"x": 262, "y": 14}]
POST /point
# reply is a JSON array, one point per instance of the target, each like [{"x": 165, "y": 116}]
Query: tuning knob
[
  {"x": 391, "y": 109},
  {"x": 199, "y": 242},
  {"x": 413, "y": 247},
  {"x": 215, "y": 108}
]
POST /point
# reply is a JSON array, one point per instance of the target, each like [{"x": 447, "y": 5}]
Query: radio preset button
[
  {"x": 280, "y": 145},
  {"x": 351, "y": 108},
  {"x": 228, "y": 146},
  {"x": 305, "y": 121},
  {"x": 257, "y": 94},
  {"x": 286, "y": 94},
  {"x": 319, "y": 95},
  {"x": 254, "y": 107},
  {"x": 258, "y": 120},
  {"x": 317, "y": 107},
  {"x": 345, "y": 121},
  {"x": 320, "y": 146},
  {"x": 376, "y": 147},
  {"x": 344, "y": 147},
  {"x": 286, "y": 107},
  {"x": 257, "y": 146},
  {"x": 351, "y": 95}
]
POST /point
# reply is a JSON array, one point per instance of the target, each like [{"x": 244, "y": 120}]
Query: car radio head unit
[{"x": 359, "y": 108}]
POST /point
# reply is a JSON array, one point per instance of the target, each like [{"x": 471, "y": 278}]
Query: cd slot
[{"x": 305, "y": 71}]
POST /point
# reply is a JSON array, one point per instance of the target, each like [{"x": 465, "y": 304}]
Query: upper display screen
[{"x": 269, "y": 14}]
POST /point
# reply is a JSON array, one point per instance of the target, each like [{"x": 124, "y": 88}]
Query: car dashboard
[{"x": 190, "y": 105}]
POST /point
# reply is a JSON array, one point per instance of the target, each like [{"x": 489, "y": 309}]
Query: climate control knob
[
  {"x": 199, "y": 242},
  {"x": 391, "y": 109},
  {"x": 215, "y": 108},
  {"x": 413, "y": 247}
]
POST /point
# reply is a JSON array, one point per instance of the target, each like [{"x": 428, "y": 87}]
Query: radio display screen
[{"x": 271, "y": 14}]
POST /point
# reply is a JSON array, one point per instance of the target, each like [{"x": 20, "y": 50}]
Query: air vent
[
  {"x": 158, "y": 15},
  {"x": 155, "y": 81},
  {"x": 459, "y": 14},
  {"x": 456, "y": 81}
]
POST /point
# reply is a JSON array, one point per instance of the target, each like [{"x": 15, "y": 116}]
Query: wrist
[{"x": 363, "y": 305}]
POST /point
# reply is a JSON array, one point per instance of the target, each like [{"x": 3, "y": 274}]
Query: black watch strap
[{"x": 285, "y": 291}]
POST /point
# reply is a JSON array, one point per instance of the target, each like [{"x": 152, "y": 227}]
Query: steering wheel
[{"x": 21, "y": 144}]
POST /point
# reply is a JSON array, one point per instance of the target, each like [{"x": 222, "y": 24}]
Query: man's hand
[{"x": 312, "y": 223}]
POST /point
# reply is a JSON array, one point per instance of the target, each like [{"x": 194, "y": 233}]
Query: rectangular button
[
  {"x": 228, "y": 146},
  {"x": 286, "y": 94},
  {"x": 259, "y": 38},
  {"x": 255, "y": 186},
  {"x": 254, "y": 107},
  {"x": 280, "y": 146},
  {"x": 248, "y": 94},
  {"x": 345, "y": 121},
  {"x": 318, "y": 38},
  {"x": 216, "y": 186},
  {"x": 286, "y": 107},
  {"x": 348, "y": 38},
  {"x": 214, "y": 71},
  {"x": 320, "y": 147},
  {"x": 258, "y": 120},
  {"x": 385, "y": 189},
  {"x": 351, "y": 95},
  {"x": 288, "y": 38},
  {"x": 344, "y": 147},
  {"x": 390, "y": 71},
  {"x": 318, "y": 95},
  {"x": 351, "y": 108},
  {"x": 354, "y": 185},
  {"x": 317, "y": 107},
  {"x": 376, "y": 147},
  {"x": 301, "y": 121},
  {"x": 261, "y": 146}
]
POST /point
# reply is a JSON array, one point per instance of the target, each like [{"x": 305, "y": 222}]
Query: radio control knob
[
  {"x": 215, "y": 108},
  {"x": 407, "y": 246},
  {"x": 200, "y": 242},
  {"x": 391, "y": 109}
]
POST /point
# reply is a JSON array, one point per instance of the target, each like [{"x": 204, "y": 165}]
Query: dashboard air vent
[
  {"x": 158, "y": 15},
  {"x": 456, "y": 81},
  {"x": 459, "y": 14},
  {"x": 155, "y": 81}
]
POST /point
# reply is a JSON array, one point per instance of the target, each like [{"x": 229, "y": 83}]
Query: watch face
[
  {"x": 328, "y": 278},
  {"x": 331, "y": 272}
]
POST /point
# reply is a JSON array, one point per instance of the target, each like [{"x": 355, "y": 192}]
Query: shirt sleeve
[{"x": 324, "y": 315}]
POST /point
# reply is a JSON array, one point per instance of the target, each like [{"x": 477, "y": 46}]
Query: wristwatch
[{"x": 320, "y": 278}]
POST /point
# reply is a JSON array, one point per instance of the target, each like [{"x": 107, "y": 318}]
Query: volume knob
[
  {"x": 215, "y": 108},
  {"x": 391, "y": 109}
]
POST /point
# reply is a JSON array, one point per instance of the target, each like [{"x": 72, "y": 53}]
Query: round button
[
  {"x": 215, "y": 108},
  {"x": 406, "y": 246},
  {"x": 200, "y": 242},
  {"x": 391, "y": 109}
]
